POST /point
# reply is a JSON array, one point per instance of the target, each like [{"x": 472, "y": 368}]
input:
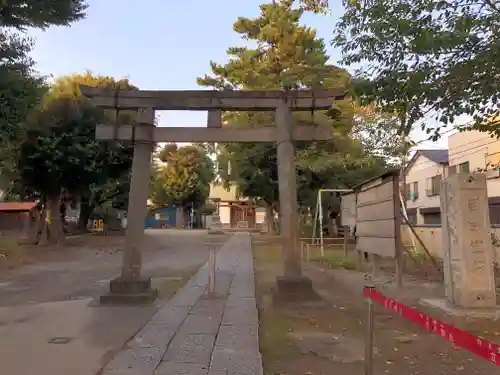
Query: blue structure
[{"x": 163, "y": 217}]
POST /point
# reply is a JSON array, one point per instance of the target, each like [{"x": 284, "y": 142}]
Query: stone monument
[
  {"x": 215, "y": 224},
  {"x": 468, "y": 251}
]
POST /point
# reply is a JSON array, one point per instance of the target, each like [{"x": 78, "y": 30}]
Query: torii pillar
[
  {"x": 292, "y": 285},
  {"x": 131, "y": 287}
]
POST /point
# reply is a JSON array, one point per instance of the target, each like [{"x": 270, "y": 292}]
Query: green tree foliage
[
  {"x": 21, "y": 14},
  {"x": 110, "y": 184},
  {"x": 426, "y": 57},
  {"x": 20, "y": 87},
  {"x": 287, "y": 55},
  {"x": 184, "y": 180},
  {"x": 60, "y": 151},
  {"x": 379, "y": 132},
  {"x": 316, "y": 6}
]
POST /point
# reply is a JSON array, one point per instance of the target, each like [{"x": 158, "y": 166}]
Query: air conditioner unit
[{"x": 493, "y": 173}]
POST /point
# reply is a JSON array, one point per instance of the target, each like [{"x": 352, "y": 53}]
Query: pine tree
[{"x": 287, "y": 56}]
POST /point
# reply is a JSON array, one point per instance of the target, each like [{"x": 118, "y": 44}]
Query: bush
[{"x": 335, "y": 261}]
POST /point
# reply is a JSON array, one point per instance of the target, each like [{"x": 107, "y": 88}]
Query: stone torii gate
[{"x": 131, "y": 286}]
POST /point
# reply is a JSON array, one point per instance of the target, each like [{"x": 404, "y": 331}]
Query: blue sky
[{"x": 164, "y": 45}]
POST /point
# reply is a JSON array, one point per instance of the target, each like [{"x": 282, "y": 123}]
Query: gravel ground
[{"x": 82, "y": 269}]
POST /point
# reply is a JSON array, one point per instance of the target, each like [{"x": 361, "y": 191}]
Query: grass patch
[
  {"x": 276, "y": 345},
  {"x": 169, "y": 287},
  {"x": 335, "y": 260}
]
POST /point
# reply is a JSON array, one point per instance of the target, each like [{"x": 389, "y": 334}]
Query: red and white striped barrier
[{"x": 465, "y": 340}]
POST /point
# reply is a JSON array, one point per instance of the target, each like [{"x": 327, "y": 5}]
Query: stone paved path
[{"x": 195, "y": 335}]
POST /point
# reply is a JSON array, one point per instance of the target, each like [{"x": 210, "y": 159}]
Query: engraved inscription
[
  {"x": 473, "y": 204},
  {"x": 473, "y": 226},
  {"x": 476, "y": 243}
]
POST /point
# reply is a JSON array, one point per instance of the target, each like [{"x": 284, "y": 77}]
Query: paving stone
[
  {"x": 187, "y": 296},
  {"x": 207, "y": 306},
  {"x": 191, "y": 349},
  {"x": 153, "y": 335},
  {"x": 241, "y": 303},
  {"x": 139, "y": 361},
  {"x": 170, "y": 315},
  {"x": 235, "y": 362},
  {"x": 200, "y": 324},
  {"x": 238, "y": 338},
  {"x": 200, "y": 279},
  {"x": 173, "y": 368},
  {"x": 239, "y": 316},
  {"x": 245, "y": 292}
]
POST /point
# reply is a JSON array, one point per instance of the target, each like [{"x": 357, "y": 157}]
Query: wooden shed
[{"x": 14, "y": 216}]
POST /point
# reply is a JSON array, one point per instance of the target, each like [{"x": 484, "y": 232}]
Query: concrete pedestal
[
  {"x": 123, "y": 291},
  {"x": 215, "y": 225},
  {"x": 295, "y": 289}
]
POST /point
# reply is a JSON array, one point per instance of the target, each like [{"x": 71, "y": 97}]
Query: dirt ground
[
  {"x": 54, "y": 296},
  {"x": 74, "y": 247},
  {"x": 328, "y": 337}
]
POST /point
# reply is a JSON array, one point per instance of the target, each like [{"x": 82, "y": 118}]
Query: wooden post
[
  {"x": 375, "y": 263},
  {"x": 426, "y": 250},
  {"x": 346, "y": 239},
  {"x": 211, "y": 272},
  {"x": 397, "y": 228}
]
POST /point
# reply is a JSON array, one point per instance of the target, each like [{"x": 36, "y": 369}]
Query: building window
[
  {"x": 411, "y": 191},
  {"x": 494, "y": 214},
  {"x": 432, "y": 218},
  {"x": 464, "y": 167},
  {"x": 459, "y": 168},
  {"x": 434, "y": 185}
]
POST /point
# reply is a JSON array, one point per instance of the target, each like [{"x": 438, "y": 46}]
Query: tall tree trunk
[
  {"x": 53, "y": 233},
  {"x": 34, "y": 227},
  {"x": 42, "y": 231},
  {"x": 86, "y": 210}
]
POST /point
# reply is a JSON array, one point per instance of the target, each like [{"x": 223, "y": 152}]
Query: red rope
[{"x": 465, "y": 340}]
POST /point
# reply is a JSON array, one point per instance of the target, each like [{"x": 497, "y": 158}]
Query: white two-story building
[{"x": 424, "y": 173}]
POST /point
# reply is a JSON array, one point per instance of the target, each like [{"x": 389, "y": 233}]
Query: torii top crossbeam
[{"x": 203, "y": 100}]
